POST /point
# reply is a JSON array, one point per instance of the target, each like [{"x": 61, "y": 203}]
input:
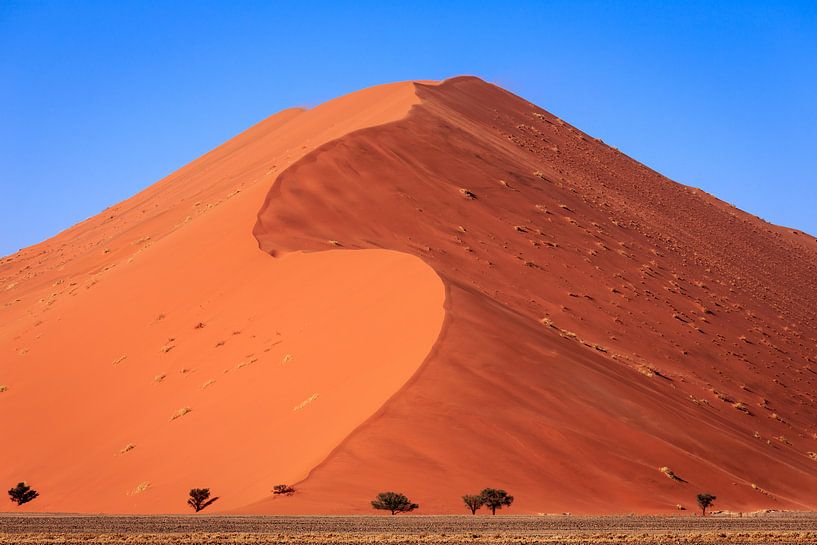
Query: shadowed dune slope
[
  {"x": 602, "y": 321},
  {"x": 465, "y": 292},
  {"x": 154, "y": 348}
]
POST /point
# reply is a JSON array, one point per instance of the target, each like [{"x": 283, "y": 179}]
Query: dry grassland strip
[{"x": 780, "y": 529}]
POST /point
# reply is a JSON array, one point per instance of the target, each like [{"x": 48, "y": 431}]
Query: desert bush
[
  {"x": 495, "y": 498},
  {"x": 394, "y": 502},
  {"x": 22, "y": 493},
  {"x": 200, "y": 498},
  {"x": 670, "y": 474},
  {"x": 473, "y": 502},
  {"x": 705, "y": 500},
  {"x": 283, "y": 489}
]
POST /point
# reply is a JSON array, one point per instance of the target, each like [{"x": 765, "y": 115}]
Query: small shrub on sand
[
  {"x": 283, "y": 490},
  {"x": 670, "y": 474},
  {"x": 22, "y": 493},
  {"x": 394, "y": 502},
  {"x": 743, "y": 407},
  {"x": 200, "y": 498},
  {"x": 139, "y": 488},
  {"x": 180, "y": 413}
]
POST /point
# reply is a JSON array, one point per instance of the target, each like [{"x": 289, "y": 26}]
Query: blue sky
[{"x": 101, "y": 99}]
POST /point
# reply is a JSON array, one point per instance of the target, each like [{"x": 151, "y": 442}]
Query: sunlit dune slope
[
  {"x": 154, "y": 348},
  {"x": 602, "y": 321},
  {"x": 430, "y": 288}
]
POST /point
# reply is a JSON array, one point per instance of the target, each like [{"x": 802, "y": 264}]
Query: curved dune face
[
  {"x": 155, "y": 348},
  {"x": 602, "y": 321},
  {"x": 605, "y": 329}
]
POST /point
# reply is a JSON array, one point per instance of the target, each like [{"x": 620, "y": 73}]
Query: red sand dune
[{"x": 466, "y": 292}]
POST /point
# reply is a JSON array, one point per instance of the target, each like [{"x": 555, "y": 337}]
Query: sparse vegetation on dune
[{"x": 283, "y": 490}]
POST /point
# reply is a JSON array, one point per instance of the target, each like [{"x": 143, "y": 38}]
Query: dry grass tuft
[
  {"x": 141, "y": 487},
  {"x": 670, "y": 474},
  {"x": 305, "y": 402},
  {"x": 743, "y": 407},
  {"x": 646, "y": 370},
  {"x": 180, "y": 413},
  {"x": 547, "y": 322}
]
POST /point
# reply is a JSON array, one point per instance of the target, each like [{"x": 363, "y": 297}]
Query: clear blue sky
[{"x": 100, "y": 99}]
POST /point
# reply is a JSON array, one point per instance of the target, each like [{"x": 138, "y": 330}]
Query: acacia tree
[
  {"x": 394, "y": 502},
  {"x": 473, "y": 502},
  {"x": 495, "y": 498},
  {"x": 200, "y": 498},
  {"x": 22, "y": 493},
  {"x": 705, "y": 500}
]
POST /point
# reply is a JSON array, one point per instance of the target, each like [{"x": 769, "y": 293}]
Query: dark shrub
[
  {"x": 22, "y": 493},
  {"x": 200, "y": 498},
  {"x": 394, "y": 502}
]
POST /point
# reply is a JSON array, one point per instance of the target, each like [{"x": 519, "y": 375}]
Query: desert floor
[{"x": 778, "y": 528}]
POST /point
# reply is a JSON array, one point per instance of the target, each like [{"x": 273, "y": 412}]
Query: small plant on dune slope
[
  {"x": 705, "y": 501},
  {"x": 670, "y": 474},
  {"x": 495, "y": 498},
  {"x": 473, "y": 502},
  {"x": 283, "y": 489},
  {"x": 22, "y": 493},
  {"x": 200, "y": 498},
  {"x": 394, "y": 502}
]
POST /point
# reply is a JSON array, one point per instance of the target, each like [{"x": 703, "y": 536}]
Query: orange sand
[
  {"x": 600, "y": 322},
  {"x": 103, "y": 349}
]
